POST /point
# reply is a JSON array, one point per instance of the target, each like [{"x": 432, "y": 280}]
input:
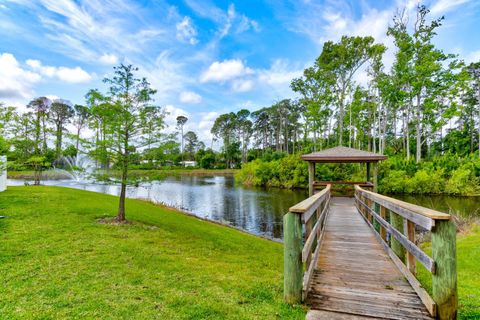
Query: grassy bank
[
  {"x": 29, "y": 175},
  {"x": 135, "y": 173},
  {"x": 57, "y": 261},
  {"x": 468, "y": 257}
]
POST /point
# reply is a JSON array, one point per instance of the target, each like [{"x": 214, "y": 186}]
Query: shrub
[
  {"x": 424, "y": 182},
  {"x": 394, "y": 182},
  {"x": 461, "y": 182}
]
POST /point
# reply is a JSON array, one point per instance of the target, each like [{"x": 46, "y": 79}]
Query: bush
[
  {"x": 424, "y": 182},
  {"x": 394, "y": 182},
  {"x": 461, "y": 182}
]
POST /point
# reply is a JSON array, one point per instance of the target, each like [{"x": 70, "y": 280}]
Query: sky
[{"x": 204, "y": 58}]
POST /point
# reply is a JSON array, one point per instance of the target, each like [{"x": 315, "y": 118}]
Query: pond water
[
  {"x": 255, "y": 210},
  {"x": 464, "y": 207}
]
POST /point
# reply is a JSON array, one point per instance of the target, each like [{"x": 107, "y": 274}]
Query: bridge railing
[
  {"x": 394, "y": 223},
  {"x": 303, "y": 229}
]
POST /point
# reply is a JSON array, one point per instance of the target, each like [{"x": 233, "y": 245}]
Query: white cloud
[
  {"x": 15, "y": 82},
  {"x": 70, "y": 75},
  {"x": 279, "y": 73},
  {"x": 166, "y": 76},
  {"x": 186, "y": 31},
  {"x": 442, "y": 6},
  {"x": 190, "y": 97},
  {"x": 242, "y": 85},
  {"x": 228, "y": 21},
  {"x": 225, "y": 70},
  {"x": 108, "y": 59}
]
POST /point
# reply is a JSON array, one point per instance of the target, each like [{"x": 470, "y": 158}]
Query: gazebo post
[
  {"x": 375, "y": 176},
  {"x": 311, "y": 177},
  {"x": 368, "y": 171}
]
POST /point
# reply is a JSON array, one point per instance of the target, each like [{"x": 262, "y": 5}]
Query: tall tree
[
  {"x": 129, "y": 98},
  {"x": 80, "y": 119},
  {"x": 474, "y": 71},
  {"x": 181, "y": 120},
  {"x": 61, "y": 113},
  {"x": 338, "y": 63}
]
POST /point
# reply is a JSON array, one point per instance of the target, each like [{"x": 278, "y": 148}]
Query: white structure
[
  {"x": 188, "y": 163},
  {"x": 3, "y": 173}
]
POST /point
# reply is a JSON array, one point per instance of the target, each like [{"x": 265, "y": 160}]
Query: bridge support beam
[
  {"x": 397, "y": 222},
  {"x": 293, "y": 267},
  {"x": 444, "y": 281}
]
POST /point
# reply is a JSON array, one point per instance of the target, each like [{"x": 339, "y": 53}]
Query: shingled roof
[{"x": 343, "y": 154}]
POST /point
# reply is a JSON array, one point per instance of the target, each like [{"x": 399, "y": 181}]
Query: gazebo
[{"x": 342, "y": 155}]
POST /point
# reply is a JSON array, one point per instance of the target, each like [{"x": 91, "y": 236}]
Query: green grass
[
  {"x": 468, "y": 273},
  {"x": 150, "y": 174},
  {"x": 58, "y": 262},
  {"x": 29, "y": 175}
]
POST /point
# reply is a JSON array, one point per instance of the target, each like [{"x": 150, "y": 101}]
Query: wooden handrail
[
  {"x": 323, "y": 183},
  {"x": 426, "y": 212},
  {"x": 303, "y": 229},
  {"x": 310, "y": 202},
  {"x": 397, "y": 235}
]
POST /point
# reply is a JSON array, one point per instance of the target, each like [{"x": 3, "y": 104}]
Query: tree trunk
[
  {"x": 58, "y": 144},
  {"x": 419, "y": 130},
  {"x": 121, "y": 203}
]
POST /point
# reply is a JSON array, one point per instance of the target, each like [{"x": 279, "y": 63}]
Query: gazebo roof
[{"x": 343, "y": 154}]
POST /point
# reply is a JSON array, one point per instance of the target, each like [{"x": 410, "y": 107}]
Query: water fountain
[{"x": 78, "y": 168}]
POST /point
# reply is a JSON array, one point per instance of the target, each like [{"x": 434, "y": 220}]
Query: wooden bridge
[{"x": 356, "y": 257}]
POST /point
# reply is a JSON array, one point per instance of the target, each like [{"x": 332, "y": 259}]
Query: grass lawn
[
  {"x": 468, "y": 272},
  {"x": 57, "y": 262}
]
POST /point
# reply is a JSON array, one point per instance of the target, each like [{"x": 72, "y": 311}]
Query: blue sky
[{"x": 204, "y": 57}]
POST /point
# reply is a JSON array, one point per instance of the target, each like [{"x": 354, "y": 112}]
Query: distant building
[{"x": 188, "y": 163}]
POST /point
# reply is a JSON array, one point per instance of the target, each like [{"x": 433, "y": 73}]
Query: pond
[
  {"x": 463, "y": 207},
  {"x": 255, "y": 210}
]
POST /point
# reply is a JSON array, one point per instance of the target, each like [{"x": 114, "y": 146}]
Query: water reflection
[{"x": 256, "y": 210}]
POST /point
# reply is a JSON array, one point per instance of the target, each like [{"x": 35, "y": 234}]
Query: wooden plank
[
  {"x": 423, "y": 295},
  {"x": 307, "y": 248},
  {"x": 324, "y": 183},
  {"x": 425, "y": 222},
  {"x": 424, "y": 259},
  {"x": 308, "y": 206},
  {"x": 383, "y": 230},
  {"x": 444, "y": 282},
  {"x": 308, "y": 275},
  {"x": 426, "y": 212},
  {"x": 354, "y": 275},
  {"x": 293, "y": 274},
  {"x": 410, "y": 233}
]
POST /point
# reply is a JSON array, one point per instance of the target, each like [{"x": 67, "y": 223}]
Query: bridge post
[
  {"x": 397, "y": 222},
  {"x": 293, "y": 268},
  {"x": 444, "y": 280}
]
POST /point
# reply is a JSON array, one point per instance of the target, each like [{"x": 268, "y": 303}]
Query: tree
[
  {"x": 128, "y": 100},
  {"x": 244, "y": 127},
  {"x": 474, "y": 72},
  {"x": 60, "y": 114},
  {"x": 153, "y": 122},
  {"x": 80, "y": 118},
  {"x": 40, "y": 108},
  {"x": 224, "y": 127},
  {"x": 338, "y": 63},
  {"x": 191, "y": 143},
  {"x": 181, "y": 120},
  {"x": 428, "y": 69}
]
